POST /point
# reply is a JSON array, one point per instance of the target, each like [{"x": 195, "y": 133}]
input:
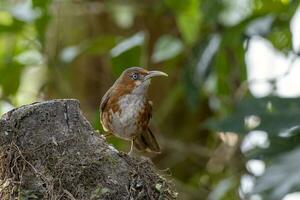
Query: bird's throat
[{"x": 141, "y": 88}]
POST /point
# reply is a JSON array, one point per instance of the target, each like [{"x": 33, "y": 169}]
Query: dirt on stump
[{"x": 49, "y": 150}]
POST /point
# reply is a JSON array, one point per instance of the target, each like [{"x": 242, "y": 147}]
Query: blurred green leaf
[
  {"x": 6, "y": 18},
  {"x": 42, "y": 21},
  {"x": 221, "y": 189},
  {"x": 41, "y": 4},
  {"x": 271, "y": 6},
  {"x": 277, "y": 145},
  {"x": 281, "y": 177},
  {"x": 127, "y": 44},
  {"x": 130, "y": 58},
  {"x": 281, "y": 38},
  {"x": 127, "y": 53},
  {"x": 222, "y": 68},
  {"x": 10, "y": 79},
  {"x": 98, "y": 46},
  {"x": 166, "y": 48},
  {"x": 211, "y": 10},
  {"x": 189, "y": 33},
  {"x": 123, "y": 14},
  {"x": 260, "y": 26},
  {"x": 229, "y": 62},
  {"x": 188, "y": 18},
  {"x": 14, "y": 27},
  {"x": 275, "y": 114},
  {"x": 200, "y": 64},
  {"x": 279, "y": 33},
  {"x": 30, "y": 57}
]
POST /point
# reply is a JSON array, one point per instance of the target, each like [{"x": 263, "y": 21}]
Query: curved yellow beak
[{"x": 154, "y": 73}]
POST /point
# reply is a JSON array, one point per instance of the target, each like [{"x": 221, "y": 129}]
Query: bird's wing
[
  {"x": 146, "y": 115},
  {"x": 104, "y": 100},
  {"x": 149, "y": 105},
  {"x": 103, "y": 104},
  {"x": 146, "y": 141}
]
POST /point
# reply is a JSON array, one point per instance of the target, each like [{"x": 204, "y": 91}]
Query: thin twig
[
  {"x": 32, "y": 167},
  {"x": 69, "y": 194}
]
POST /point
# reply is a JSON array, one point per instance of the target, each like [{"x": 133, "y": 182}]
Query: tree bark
[{"x": 50, "y": 151}]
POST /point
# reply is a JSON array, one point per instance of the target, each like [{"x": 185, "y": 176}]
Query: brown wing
[
  {"x": 146, "y": 141},
  {"x": 146, "y": 115},
  {"x": 103, "y": 116},
  {"x": 150, "y": 104},
  {"x": 104, "y": 100}
]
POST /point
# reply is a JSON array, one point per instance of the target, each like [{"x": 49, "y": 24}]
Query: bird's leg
[
  {"x": 130, "y": 153},
  {"x": 107, "y": 135}
]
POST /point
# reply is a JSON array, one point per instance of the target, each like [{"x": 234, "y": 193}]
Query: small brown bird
[{"x": 125, "y": 110}]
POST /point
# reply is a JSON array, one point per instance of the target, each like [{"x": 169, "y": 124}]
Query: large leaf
[
  {"x": 98, "y": 45},
  {"x": 129, "y": 58},
  {"x": 199, "y": 65},
  {"x": 42, "y": 21},
  {"x": 281, "y": 177},
  {"x": 188, "y": 18},
  {"x": 275, "y": 114},
  {"x": 277, "y": 145},
  {"x": 128, "y": 43},
  {"x": 127, "y": 53},
  {"x": 166, "y": 47}
]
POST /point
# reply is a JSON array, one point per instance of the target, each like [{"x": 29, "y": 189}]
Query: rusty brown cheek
[{"x": 124, "y": 86}]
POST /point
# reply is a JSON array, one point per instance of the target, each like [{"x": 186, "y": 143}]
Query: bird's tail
[{"x": 146, "y": 142}]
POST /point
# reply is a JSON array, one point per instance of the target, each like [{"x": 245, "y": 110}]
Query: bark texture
[{"x": 50, "y": 151}]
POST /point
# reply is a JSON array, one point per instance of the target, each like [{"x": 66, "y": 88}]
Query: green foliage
[
  {"x": 271, "y": 114},
  {"x": 279, "y": 117},
  {"x": 99, "y": 45},
  {"x": 281, "y": 177},
  {"x": 167, "y": 47},
  {"x": 76, "y": 49},
  {"x": 128, "y": 51},
  {"x": 187, "y": 13},
  {"x": 9, "y": 87},
  {"x": 42, "y": 21}
]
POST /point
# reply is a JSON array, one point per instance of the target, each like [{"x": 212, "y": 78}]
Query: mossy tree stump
[{"x": 50, "y": 151}]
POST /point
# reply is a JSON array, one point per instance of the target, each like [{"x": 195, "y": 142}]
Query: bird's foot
[{"x": 107, "y": 135}]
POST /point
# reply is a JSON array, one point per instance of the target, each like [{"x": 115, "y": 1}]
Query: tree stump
[{"x": 50, "y": 151}]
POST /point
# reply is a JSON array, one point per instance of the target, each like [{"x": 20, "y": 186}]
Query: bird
[{"x": 125, "y": 110}]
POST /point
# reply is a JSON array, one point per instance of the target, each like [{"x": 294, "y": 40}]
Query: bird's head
[{"x": 137, "y": 80}]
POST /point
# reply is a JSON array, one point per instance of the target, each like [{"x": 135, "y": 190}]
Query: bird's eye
[{"x": 134, "y": 76}]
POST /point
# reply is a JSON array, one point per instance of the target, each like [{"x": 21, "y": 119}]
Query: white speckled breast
[{"x": 124, "y": 123}]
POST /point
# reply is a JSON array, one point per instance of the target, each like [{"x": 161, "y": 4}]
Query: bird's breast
[{"x": 125, "y": 122}]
